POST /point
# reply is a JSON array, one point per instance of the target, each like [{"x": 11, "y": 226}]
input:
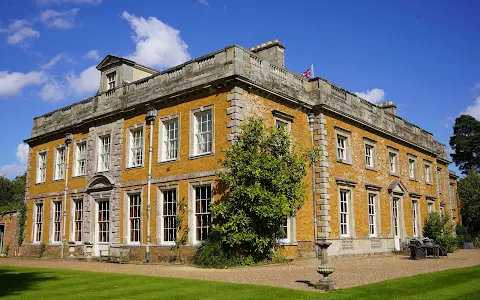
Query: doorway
[
  {"x": 396, "y": 222},
  {"x": 102, "y": 226}
]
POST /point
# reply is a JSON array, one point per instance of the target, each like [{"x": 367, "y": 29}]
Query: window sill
[
  {"x": 342, "y": 161},
  {"x": 371, "y": 168},
  {"x": 162, "y": 162},
  {"x": 202, "y": 155},
  {"x": 38, "y": 183},
  {"x": 78, "y": 176},
  {"x": 394, "y": 175},
  {"x": 133, "y": 167},
  {"x": 166, "y": 244},
  {"x": 102, "y": 171},
  {"x": 412, "y": 179},
  {"x": 58, "y": 180},
  {"x": 287, "y": 243},
  {"x": 428, "y": 183}
]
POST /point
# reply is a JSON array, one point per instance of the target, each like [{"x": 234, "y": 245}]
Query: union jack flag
[{"x": 308, "y": 73}]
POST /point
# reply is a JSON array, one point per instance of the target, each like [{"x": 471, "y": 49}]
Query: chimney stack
[
  {"x": 389, "y": 107},
  {"x": 272, "y": 51}
]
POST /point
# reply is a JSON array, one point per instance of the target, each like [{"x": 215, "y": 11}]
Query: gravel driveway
[{"x": 349, "y": 272}]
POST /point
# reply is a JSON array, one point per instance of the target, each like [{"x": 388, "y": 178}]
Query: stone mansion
[{"x": 117, "y": 168}]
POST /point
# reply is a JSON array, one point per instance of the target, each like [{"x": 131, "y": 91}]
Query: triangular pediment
[
  {"x": 397, "y": 186},
  {"x": 112, "y": 60}
]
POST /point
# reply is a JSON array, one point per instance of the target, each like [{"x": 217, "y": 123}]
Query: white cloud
[
  {"x": 50, "y": 2},
  {"x": 373, "y": 95},
  {"x": 58, "y": 19},
  {"x": 20, "y": 33},
  {"x": 473, "y": 110},
  {"x": 53, "y": 61},
  {"x": 204, "y": 3},
  {"x": 52, "y": 92},
  {"x": 157, "y": 44},
  {"x": 12, "y": 170},
  {"x": 13, "y": 83},
  {"x": 92, "y": 54},
  {"x": 85, "y": 82}
]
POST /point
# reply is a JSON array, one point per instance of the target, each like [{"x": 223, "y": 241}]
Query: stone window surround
[
  {"x": 441, "y": 209},
  {"x": 192, "y": 233},
  {"x": 400, "y": 212},
  {"x": 396, "y": 153},
  {"x": 161, "y": 134},
  {"x": 451, "y": 195},
  {"x": 37, "y": 168},
  {"x": 55, "y": 157},
  {"x": 75, "y": 153},
  {"x": 373, "y": 145},
  {"x": 73, "y": 200},
  {"x": 128, "y": 154},
  {"x": 108, "y": 72},
  {"x": 438, "y": 174},
  {"x": 429, "y": 164},
  {"x": 430, "y": 201},
  {"x": 347, "y": 185},
  {"x": 411, "y": 157},
  {"x": 34, "y": 223},
  {"x": 126, "y": 217},
  {"x": 291, "y": 238},
  {"x": 52, "y": 221},
  {"x": 284, "y": 118},
  {"x": 159, "y": 221},
  {"x": 100, "y": 135},
  {"x": 375, "y": 190},
  {"x": 192, "y": 150},
  {"x": 348, "y": 144}
]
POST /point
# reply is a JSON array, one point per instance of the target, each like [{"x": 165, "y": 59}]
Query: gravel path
[{"x": 349, "y": 272}]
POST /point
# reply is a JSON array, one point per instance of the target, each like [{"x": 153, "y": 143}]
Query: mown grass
[{"x": 31, "y": 283}]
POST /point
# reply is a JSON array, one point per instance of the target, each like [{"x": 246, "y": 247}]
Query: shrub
[
  {"x": 213, "y": 253},
  {"x": 440, "y": 229}
]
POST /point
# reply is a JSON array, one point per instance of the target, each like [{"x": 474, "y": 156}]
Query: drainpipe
[
  {"x": 311, "y": 120},
  {"x": 68, "y": 141},
  {"x": 151, "y": 115}
]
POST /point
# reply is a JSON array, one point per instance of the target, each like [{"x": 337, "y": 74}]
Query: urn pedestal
[{"x": 326, "y": 283}]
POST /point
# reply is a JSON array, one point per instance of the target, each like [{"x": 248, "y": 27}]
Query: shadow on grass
[{"x": 15, "y": 281}]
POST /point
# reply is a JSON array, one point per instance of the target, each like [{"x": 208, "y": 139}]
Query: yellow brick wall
[{"x": 357, "y": 172}]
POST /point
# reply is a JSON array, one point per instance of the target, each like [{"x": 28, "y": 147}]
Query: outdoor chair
[{"x": 417, "y": 250}]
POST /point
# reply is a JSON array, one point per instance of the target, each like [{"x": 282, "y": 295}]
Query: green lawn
[{"x": 30, "y": 283}]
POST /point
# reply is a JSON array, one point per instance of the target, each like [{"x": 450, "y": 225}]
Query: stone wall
[{"x": 11, "y": 233}]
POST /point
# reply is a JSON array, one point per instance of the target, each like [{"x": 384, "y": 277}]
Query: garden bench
[{"x": 115, "y": 254}]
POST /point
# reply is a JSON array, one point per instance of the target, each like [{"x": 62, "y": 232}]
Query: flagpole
[{"x": 313, "y": 74}]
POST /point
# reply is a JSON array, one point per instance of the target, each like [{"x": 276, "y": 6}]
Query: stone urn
[
  {"x": 71, "y": 249},
  {"x": 325, "y": 283},
  {"x": 89, "y": 249}
]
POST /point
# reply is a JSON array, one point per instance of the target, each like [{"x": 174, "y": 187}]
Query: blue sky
[{"x": 422, "y": 55}]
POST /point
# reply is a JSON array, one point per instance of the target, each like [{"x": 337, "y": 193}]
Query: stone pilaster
[
  {"x": 235, "y": 112},
  {"x": 321, "y": 179}
]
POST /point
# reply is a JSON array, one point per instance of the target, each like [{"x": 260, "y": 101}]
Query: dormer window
[{"x": 112, "y": 80}]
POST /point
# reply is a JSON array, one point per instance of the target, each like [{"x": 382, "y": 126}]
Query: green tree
[
  {"x": 263, "y": 186},
  {"x": 12, "y": 193},
  {"x": 440, "y": 228},
  {"x": 465, "y": 143},
  {"x": 468, "y": 189}
]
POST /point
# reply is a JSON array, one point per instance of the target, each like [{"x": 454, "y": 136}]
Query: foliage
[
  {"x": 6, "y": 250},
  {"x": 463, "y": 235},
  {"x": 180, "y": 240},
  {"x": 213, "y": 253},
  {"x": 33, "y": 283},
  {"x": 440, "y": 229},
  {"x": 262, "y": 187},
  {"x": 22, "y": 219},
  {"x": 12, "y": 192},
  {"x": 468, "y": 189},
  {"x": 465, "y": 144}
]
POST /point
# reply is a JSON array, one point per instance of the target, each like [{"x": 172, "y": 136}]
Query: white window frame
[
  {"x": 77, "y": 219},
  {"x": 372, "y": 145},
  {"x": 135, "y": 150},
  {"x": 100, "y": 167},
  {"x": 193, "y": 210},
  {"x": 59, "y": 163},
  {"x": 395, "y": 168},
  {"x": 77, "y": 167},
  {"x": 195, "y": 134},
  {"x": 111, "y": 80},
  {"x": 438, "y": 174},
  {"x": 349, "y": 214},
  {"x": 103, "y": 234},
  {"x": 42, "y": 166},
  {"x": 427, "y": 166},
  {"x": 136, "y": 217},
  {"x": 412, "y": 167},
  {"x": 430, "y": 204},
  {"x": 57, "y": 222},
  {"x": 341, "y": 134},
  {"x": 372, "y": 213},
  {"x": 164, "y": 140},
  {"x": 161, "y": 218},
  {"x": 38, "y": 225},
  {"x": 415, "y": 217}
]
